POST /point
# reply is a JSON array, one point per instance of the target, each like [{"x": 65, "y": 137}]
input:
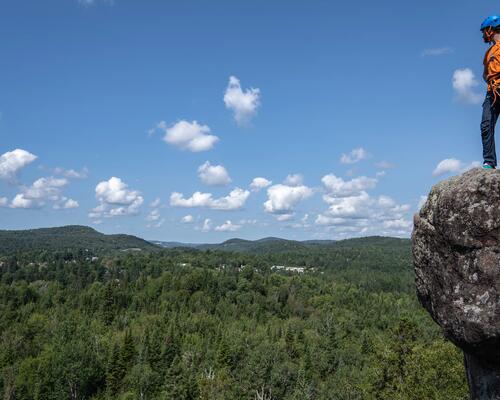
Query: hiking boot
[{"x": 488, "y": 166}]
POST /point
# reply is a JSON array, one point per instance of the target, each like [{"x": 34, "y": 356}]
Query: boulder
[{"x": 456, "y": 252}]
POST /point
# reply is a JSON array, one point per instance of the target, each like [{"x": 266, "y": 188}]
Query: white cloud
[
  {"x": 116, "y": 199},
  {"x": 4, "y": 201},
  {"x": 401, "y": 224},
  {"x": 294, "y": 180},
  {"x": 22, "y": 202},
  {"x": 198, "y": 199},
  {"x": 453, "y": 166},
  {"x": 464, "y": 83},
  {"x": 234, "y": 201},
  {"x": 340, "y": 188},
  {"x": 71, "y": 173},
  {"x": 187, "y": 219},
  {"x": 213, "y": 175},
  {"x": 355, "y": 206},
  {"x": 188, "y": 135},
  {"x": 329, "y": 221},
  {"x": 351, "y": 210},
  {"x": 282, "y": 199},
  {"x": 66, "y": 204},
  {"x": 244, "y": 104},
  {"x": 355, "y": 156},
  {"x": 437, "y": 51},
  {"x": 154, "y": 219},
  {"x": 284, "y": 217},
  {"x": 207, "y": 225},
  {"x": 154, "y": 215},
  {"x": 41, "y": 191},
  {"x": 473, "y": 164},
  {"x": 259, "y": 183},
  {"x": 450, "y": 165},
  {"x": 228, "y": 226},
  {"x": 157, "y": 224},
  {"x": 155, "y": 203},
  {"x": 12, "y": 162},
  {"x": 45, "y": 189}
]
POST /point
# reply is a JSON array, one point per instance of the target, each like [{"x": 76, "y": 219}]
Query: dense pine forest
[{"x": 211, "y": 324}]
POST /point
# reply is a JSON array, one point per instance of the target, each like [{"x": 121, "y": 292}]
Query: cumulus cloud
[
  {"x": 354, "y": 156},
  {"x": 189, "y": 136},
  {"x": 19, "y": 201},
  {"x": 260, "y": 183},
  {"x": 12, "y": 162},
  {"x": 243, "y": 103},
  {"x": 464, "y": 83},
  {"x": 66, "y": 204},
  {"x": 354, "y": 206},
  {"x": 351, "y": 210},
  {"x": 437, "y": 51},
  {"x": 453, "y": 166},
  {"x": 294, "y": 180},
  {"x": 228, "y": 226},
  {"x": 116, "y": 199},
  {"x": 45, "y": 189},
  {"x": 213, "y": 175},
  {"x": 341, "y": 188},
  {"x": 187, "y": 219},
  {"x": 282, "y": 198},
  {"x": 234, "y": 201},
  {"x": 377, "y": 214},
  {"x": 42, "y": 191}
]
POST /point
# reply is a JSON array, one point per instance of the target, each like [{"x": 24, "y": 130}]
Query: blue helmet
[{"x": 492, "y": 21}]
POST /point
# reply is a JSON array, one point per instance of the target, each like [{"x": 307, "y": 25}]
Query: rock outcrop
[{"x": 456, "y": 251}]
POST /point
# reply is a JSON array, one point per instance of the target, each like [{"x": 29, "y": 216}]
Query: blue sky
[{"x": 153, "y": 118}]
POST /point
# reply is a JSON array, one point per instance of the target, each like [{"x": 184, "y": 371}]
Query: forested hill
[
  {"x": 70, "y": 238},
  {"x": 277, "y": 245}
]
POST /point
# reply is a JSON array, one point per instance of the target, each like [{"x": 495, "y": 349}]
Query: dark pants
[{"x": 490, "y": 116}]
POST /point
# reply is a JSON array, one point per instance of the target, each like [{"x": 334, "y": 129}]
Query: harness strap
[
  {"x": 494, "y": 87},
  {"x": 489, "y": 33}
]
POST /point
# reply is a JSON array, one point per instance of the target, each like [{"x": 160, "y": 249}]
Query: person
[{"x": 491, "y": 106}]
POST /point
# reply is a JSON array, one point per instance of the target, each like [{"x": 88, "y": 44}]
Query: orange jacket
[{"x": 492, "y": 66}]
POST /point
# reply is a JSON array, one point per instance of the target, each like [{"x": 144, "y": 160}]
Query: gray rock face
[{"x": 456, "y": 251}]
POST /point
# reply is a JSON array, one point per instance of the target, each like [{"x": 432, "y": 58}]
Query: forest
[{"x": 209, "y": 324}]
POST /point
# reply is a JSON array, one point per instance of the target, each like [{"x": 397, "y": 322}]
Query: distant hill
[
  {"x": 72, "y": 237},
  {"x": 277, "y": 245}
]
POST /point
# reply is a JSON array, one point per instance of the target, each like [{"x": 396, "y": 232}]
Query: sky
[{"x": 200, "y": 121}]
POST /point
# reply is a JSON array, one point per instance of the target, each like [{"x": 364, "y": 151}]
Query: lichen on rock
[{"x": 456, "y": 251}]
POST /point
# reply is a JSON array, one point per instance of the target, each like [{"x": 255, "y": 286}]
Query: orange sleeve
[{"x": 494, "y": 64}]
